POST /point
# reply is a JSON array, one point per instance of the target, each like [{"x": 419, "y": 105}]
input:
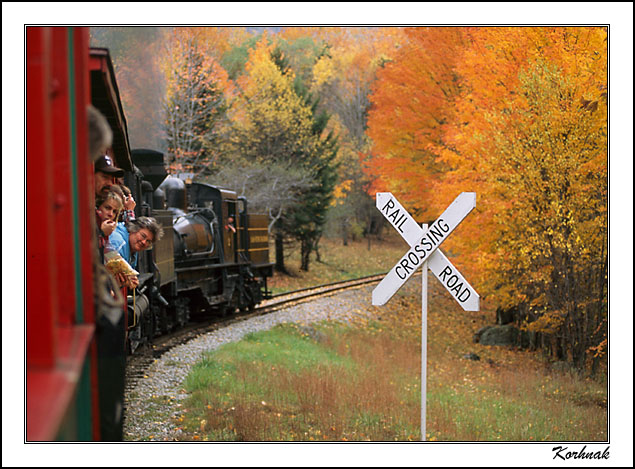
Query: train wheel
[{"x": 227, "y": 310}]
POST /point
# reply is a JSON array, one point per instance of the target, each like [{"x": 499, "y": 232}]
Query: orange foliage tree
[
  {"x": 217, "y": 41},
  {"x": 521, "y": 120},
  {"x": 412, "y": 106}
]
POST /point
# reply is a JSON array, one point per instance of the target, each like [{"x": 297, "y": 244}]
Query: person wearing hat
[{"x": 106, "y": 174}]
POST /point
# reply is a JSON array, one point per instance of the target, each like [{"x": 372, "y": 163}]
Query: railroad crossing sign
[
  {"x": 424, "y": 251},
  {"x": 424, "y": 246}
]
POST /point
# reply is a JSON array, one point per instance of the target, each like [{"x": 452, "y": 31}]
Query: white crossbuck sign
[{"x": 424, "y": 246}]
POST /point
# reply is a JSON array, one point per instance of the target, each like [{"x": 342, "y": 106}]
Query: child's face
[{"x": 108, "y": 210}]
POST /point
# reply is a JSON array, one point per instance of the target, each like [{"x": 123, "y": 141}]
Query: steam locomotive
[
  {"x": 215, "y": 261},
  {"x": 213, "y": 258}
]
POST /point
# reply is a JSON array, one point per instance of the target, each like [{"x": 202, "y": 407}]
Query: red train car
[
  {"x": 62, "y": 345},
  {"x": 77, "y": 333}
]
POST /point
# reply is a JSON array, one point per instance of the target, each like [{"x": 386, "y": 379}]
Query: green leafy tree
[
  {"x": 235, "y": 59},
  {"x": 308, "y": 219},
  {"x": 270, "y": 124}
]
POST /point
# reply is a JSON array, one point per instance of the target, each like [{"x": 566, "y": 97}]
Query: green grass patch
[
  {"x": 361, "y": 382},
  {"x": 289, "y": 385},
  {"x": 247, "y": 366},
  {"x": 483, "y": 414}
]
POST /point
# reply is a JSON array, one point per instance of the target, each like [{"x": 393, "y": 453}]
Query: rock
[
  {"x": 499, "y": 335},
  {"x": 477, "y": 336},
  {"x": 471, "y": 356}
]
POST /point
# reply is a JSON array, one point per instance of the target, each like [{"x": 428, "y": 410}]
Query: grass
[
  {"x": 361, "y": 382},
  {"x": 283, "y": 385},
  {"x": 507, "y": 395},
  {"x": 338, "y": 262}
]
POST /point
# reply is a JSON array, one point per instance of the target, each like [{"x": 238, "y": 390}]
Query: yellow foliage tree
[
  {"x": 531, "y": 136},
  {"x": 274, "y": 122},
  {"x": 270, "y": 120}
]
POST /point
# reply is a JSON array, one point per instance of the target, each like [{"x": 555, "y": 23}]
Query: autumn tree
[
  {"x": 517, "y": 115},
  {"x": 196, "y": 102},
  {"x": 532, "y": 123},
  {"x": 346, "y": 70},
  {"x": 273, "y": 123},
  {"x": 270, "y": 120},
  {"x": 553, "y": 233},
  {"x": 217, "y": 41},
  {"x": 342, "y": 77},
  {"x": 412, "y": 105},
  {"x": 307, "y": 219}
]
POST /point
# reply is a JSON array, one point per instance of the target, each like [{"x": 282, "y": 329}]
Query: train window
[{"x": 241, "y": 206}]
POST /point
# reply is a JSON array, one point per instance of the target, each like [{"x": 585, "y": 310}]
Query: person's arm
[
  {"x": 129, "y": 205},
  {"x": 116, "y": 242},
  {"x": 107, "y": 227}
]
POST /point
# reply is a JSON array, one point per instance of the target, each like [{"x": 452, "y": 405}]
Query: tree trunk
[
  {"x": 594, "y": 366},
  {"x": 306, "y": 248},
  {"x": 316, "y": 248},
  {"x": 560, "y": 348}
]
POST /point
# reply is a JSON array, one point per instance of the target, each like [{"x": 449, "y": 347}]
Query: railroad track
[{"x": 138, "y": 363}]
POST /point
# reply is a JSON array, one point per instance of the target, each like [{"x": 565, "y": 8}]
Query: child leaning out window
[{"x": 108, "y": 209}]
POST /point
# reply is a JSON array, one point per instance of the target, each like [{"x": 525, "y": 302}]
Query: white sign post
[
  {"x": 424, "y": 343},
  {"x": 424, "y": 243}
]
